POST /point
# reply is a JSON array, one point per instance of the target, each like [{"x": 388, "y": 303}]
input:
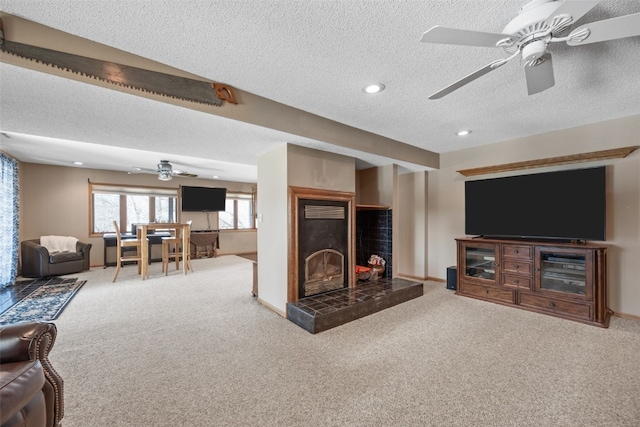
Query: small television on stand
[
  {"x": 203, "y": 199},
  {"x": 568, "y": 205}
]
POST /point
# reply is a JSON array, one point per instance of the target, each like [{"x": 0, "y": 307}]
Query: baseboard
[
  {"x": 271, "y": 307},
  {"x": 410, "y": 277},
  {"x": 422, "y": 279},
  {"x": 626, "y": 316},
  {"x": 237, "y": 253}
]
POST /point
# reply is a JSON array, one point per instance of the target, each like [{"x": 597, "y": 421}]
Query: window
[
  {"x": 238, "y": 213},
  {"x": 130, "y": 205}
]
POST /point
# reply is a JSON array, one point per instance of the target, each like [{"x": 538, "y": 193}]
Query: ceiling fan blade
[
  {"x": 185, "y": 174},
  {"x": 540, "y": 77},
  {"x": 468, "y": 79},
  {"x": 444, "y": 35},
  {"x": 608, "y": 29},
  {"x": 138, "y": 169},
  {"x": 575, "y": 8}
]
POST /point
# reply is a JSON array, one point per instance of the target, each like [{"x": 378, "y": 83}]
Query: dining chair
[
  {"x": 179, "y": 251},
  {"x": 123, "y": 250}
]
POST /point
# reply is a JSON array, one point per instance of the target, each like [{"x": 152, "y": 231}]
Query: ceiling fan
[
  {"x": 165, "y": 171},
  {"x": 538, "y": 23}
]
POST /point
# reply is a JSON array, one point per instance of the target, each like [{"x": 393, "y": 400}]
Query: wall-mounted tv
[
  {"x": 567, "y": 205},
  {"x": 203, "y": 199}
]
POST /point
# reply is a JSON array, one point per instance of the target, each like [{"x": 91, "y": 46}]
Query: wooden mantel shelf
[{"x": 616, "y": 153}]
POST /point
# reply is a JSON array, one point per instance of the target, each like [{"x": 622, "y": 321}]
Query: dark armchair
[
  {"x": 31, "y": 391},
  {"x": 38, "y": 262}
]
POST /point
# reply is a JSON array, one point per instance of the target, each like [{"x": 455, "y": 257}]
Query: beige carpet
[{"x": 199, "y": 350}]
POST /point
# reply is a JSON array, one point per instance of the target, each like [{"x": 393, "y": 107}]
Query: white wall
[
  {"x": 272, "y": 229},
  {"x": 446, "y": 197}
]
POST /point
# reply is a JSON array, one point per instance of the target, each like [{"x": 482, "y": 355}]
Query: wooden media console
[{"x": 560, "y": 279}]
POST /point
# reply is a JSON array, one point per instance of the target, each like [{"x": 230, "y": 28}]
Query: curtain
[{"x": 9, "y": 220}]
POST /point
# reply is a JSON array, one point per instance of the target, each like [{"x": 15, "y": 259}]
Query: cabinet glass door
[
  {"x": 480, "y": 262},
  {"x": 563, "y": 272}
]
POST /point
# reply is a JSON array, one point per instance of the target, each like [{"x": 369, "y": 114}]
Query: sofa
[
  {"x": 31, "y": 391},
  {"x": 38, "y": 262}
]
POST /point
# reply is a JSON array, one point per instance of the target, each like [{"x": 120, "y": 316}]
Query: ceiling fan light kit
[
  {"x": 533, "y": 51},
  {"x": 164, "y": 170},
  {"x": 164, "y": 176},
  {"x": 528, "y": 35}
]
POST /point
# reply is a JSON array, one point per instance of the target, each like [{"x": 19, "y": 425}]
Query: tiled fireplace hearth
[{"x": 328, "y": 310}]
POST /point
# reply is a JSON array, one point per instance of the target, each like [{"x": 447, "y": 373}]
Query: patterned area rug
[{"x": 45, "y": 303}]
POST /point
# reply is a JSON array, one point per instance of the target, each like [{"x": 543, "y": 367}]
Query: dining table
[{"x": 142, "y": 231}]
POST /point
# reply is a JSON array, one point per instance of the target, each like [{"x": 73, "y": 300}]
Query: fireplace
[
  {"x": 321, "y": 251},
  {"x": 323, "y": 272}
]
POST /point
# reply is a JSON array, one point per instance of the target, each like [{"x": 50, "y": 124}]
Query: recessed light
[
  {"x": 463, "y": 133},
  {"x": 78, "y": 163},
  {"x": 378, "y": 87},
  {"x": 215, "y": 177}
]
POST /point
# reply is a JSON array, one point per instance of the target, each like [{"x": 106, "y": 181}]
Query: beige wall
[
  {"x": 412, "y": 225},
  {"x": 378, "y": 186},
  {"x": 446, "y": 197},
  {"x": 310, "y": 168},
  {"x": 55, "y": 200},
  {"x": 285, "y": 166}
]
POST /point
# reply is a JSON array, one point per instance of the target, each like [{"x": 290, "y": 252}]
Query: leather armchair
[
  {"x": 31, "y": 391},
  {"x": 38, "y": 262}
]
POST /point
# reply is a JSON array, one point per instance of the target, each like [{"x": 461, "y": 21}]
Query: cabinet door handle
[
  {"x": 537, "y": 268},
  {"x": 486, "y": 291},
  {"x": 552, "y": 304},
  {"x": 516, "y": 281},
  {"x": 516, "y": 266},
  {"x": 515, "y": 251}
]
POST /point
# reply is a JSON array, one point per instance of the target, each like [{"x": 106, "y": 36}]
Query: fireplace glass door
[{"x": 324, "y": 271}]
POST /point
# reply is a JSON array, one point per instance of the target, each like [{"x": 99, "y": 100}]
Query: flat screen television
[
  {"x": 203, "y": 199},
  {"x": 565, "y": 205}
]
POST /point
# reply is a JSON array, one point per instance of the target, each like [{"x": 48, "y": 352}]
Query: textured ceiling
[{"x": 312, "y": 55}]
